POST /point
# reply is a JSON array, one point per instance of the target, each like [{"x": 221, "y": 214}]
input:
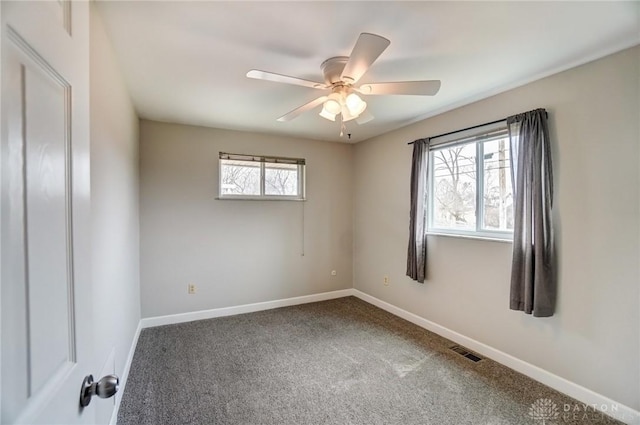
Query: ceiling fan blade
[
  {"x": 304, "y": 108},
  {"x": 279, "y": 78},
  {"x": 364, "y": 117},
  {"x": 364, "y": 53},
  {"x": 419, "y": 88}
]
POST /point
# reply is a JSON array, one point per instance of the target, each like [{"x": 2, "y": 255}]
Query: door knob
[{"x": 104, "y": 388}]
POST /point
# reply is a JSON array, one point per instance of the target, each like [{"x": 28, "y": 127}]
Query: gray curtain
[
  {"x": 417, "y": 251},
  {"x": 533, "y": 274}
]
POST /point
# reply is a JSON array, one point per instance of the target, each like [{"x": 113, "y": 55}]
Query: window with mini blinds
[
  {"x": 260, "y": 177},
  {"x": 469, "y": 189}
]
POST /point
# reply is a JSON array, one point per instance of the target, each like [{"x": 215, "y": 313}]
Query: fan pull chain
[{"x": 342, "y": 126}]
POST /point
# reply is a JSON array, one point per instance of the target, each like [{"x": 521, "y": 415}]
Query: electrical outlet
[
  {"x": 386, "y": 281},
  {"x": 192, "y": 288},
  {"x": 334, "y": 273}
]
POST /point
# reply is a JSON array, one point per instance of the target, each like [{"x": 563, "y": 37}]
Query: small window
[
  {"x": 261, "y": 177},
  {"x": 470, "y": 185}
]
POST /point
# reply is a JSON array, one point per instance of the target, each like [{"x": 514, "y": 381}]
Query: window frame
[
  {"x": 478, "y": 136},
  {"x": 264, "y": 160}
]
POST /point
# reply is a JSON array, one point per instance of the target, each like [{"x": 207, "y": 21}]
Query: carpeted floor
[{"x": 334, "y": 362}]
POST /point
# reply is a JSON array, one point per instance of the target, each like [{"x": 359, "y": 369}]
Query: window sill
[{"x": 480, "y": 238}]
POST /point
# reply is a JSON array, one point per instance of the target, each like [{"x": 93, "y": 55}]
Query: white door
[{"x": 44, "y": 214}]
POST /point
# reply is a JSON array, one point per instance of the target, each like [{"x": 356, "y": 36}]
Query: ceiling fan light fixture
[
  {"x": 332, "y": 105},
  {"x": 347, "y": 115},
  {"x": 355, "y": 105},
  {"x": 327, "y": 114}
]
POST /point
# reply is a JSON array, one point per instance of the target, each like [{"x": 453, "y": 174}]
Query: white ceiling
[{"x": 186, "y": 61}]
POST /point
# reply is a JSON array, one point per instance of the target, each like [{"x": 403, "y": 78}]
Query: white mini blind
[{"x": 265, "y": 159}]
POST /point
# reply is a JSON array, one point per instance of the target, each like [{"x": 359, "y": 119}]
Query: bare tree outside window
[
  {"x": 239, "y": 178},
  {"x": 454, "y": 180},
  {"x": 281, "y": 179}
]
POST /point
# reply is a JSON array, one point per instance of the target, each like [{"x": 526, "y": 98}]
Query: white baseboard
[
  {"x": 125, "y": 375},
  {"x": 590, "y": 398},
  {"x": 241, "y": 309}
]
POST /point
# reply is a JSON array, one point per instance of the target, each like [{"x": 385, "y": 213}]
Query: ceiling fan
[{"x": 341, "y": 73}]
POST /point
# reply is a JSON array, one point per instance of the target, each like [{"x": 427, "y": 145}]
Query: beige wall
[
  {"x": 237, "y": 252},
  {"x": 114, "y": 212},
  {"x": 593, "y": 340}
]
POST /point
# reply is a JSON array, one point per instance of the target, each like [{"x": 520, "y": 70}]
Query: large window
[
  {"x": 261, "y": 177},
  {"x": 470, "y": 185}
]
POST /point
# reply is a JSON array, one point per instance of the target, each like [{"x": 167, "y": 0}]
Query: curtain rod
[
  {"x": 464, "y": 129},
  {"x": 468, "y": 128}
]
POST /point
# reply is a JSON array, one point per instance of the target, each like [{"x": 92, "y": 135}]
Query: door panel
[
  {"x": 44, "y": 215},
  {"x": 48, "y": 252}
]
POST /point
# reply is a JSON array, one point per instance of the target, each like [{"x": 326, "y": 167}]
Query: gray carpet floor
[{"x": 342, "y": 361}]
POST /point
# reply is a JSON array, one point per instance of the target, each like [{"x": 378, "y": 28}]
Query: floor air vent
[{"x": 466, "y": 353}]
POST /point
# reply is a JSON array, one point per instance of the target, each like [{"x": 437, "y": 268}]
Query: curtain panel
[
  {"x": 417, "y": 250},
  {"x": 533, "y": 272}
]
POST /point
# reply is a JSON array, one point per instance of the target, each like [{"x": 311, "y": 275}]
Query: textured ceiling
[{"x": 186, "y": 62}]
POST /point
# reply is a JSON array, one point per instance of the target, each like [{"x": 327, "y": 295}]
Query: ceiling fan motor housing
[{"x": 332, "y": 69}]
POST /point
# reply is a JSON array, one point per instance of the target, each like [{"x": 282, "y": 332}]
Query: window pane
[
  {"x": 239, "y": 177},
  {"x": 454, "y": 187},
  {"x": 281, "y": 179},
  {"x": 498, "y": 196}
]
